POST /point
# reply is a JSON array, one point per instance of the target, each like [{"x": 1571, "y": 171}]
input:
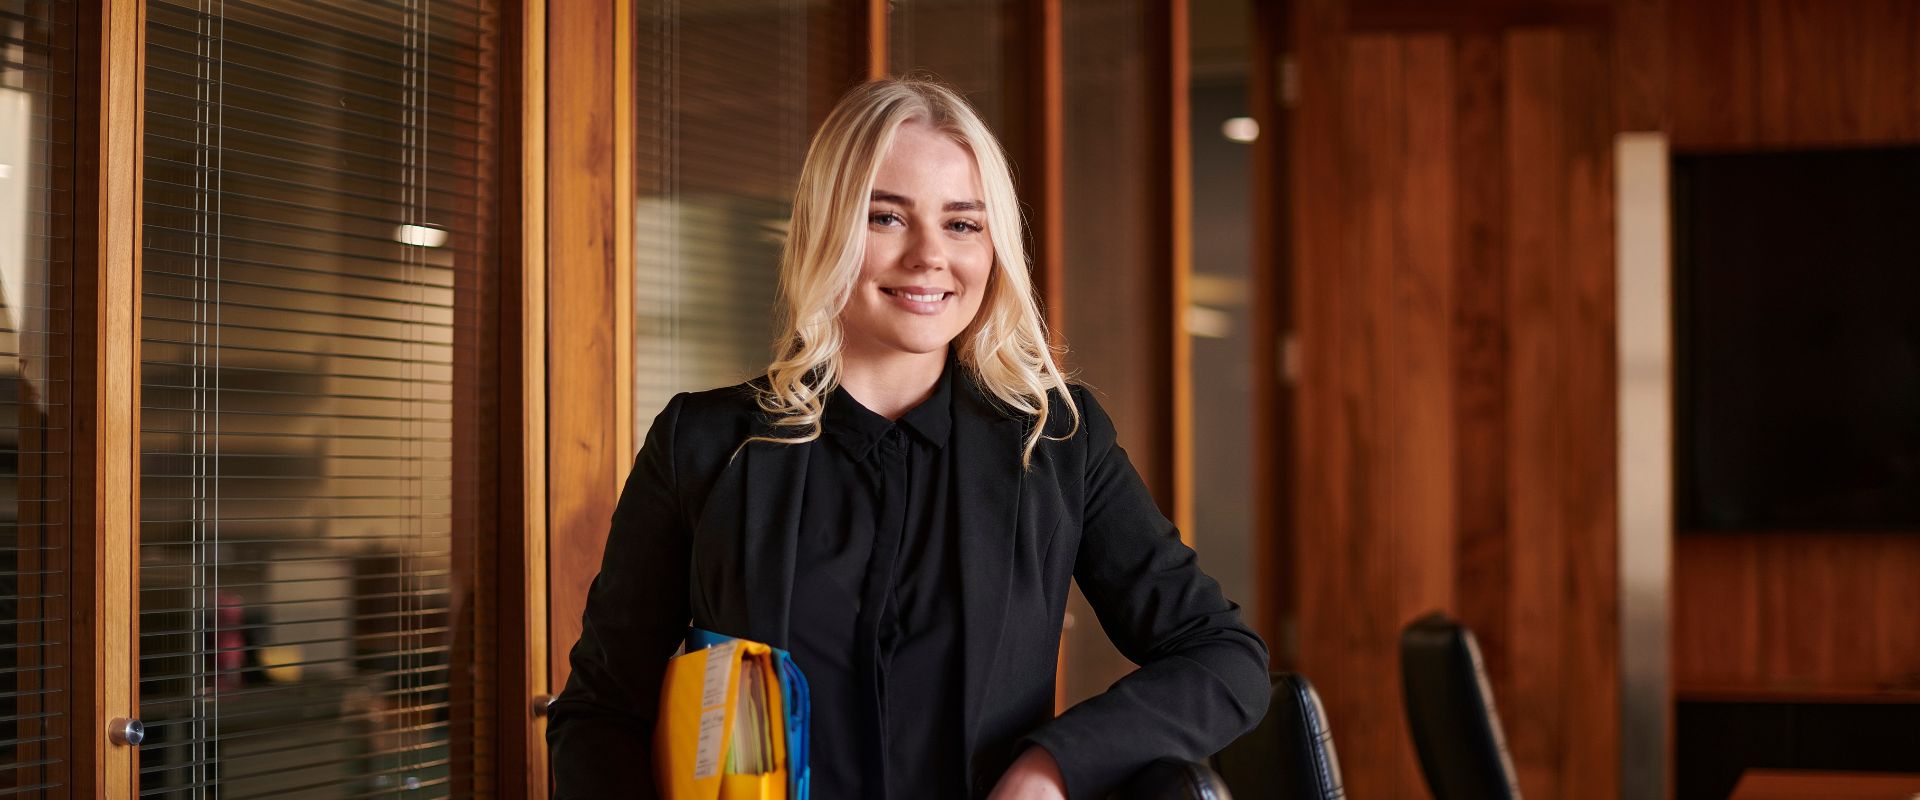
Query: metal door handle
[{"x": 126, "y": 732}]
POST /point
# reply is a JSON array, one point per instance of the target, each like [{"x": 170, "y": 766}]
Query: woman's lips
[{"x": 919, "y": 299}]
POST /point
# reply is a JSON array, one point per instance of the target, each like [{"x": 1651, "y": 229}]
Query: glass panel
[
  {"x": 727, "y": 94},
  {"x": 36, "y": 269},
  {"x": 1219, "y": 320},
  {"x": 1110, "y": 229},
  {"x": 317, "y": 436},
  {"x": 969, "y": 44}
]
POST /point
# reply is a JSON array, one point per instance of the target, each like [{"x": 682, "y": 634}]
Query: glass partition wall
[
  {"x": 317, "y": 452},
  {"x": 36, "y": 273},
  {"x": 726, "y": 96}
]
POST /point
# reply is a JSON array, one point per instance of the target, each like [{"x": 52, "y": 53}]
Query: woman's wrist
[{"x": 1035, "y": 775}]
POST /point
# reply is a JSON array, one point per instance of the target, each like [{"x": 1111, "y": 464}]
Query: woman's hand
[{"x": 1033, "y": 776}]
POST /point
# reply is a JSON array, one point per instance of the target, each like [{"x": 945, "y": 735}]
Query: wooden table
[{"x": 1786, "y": 784}]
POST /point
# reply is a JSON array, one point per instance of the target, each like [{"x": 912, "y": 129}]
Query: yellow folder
[{"x": 722, "y": 725}]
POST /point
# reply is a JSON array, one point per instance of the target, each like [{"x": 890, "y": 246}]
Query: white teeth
[{"x": 923, "y": 298}]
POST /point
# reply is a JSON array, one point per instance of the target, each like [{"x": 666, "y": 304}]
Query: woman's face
[{"x": 928, "y": 256}]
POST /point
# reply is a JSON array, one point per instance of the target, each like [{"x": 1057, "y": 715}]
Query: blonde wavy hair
[{"x": 1005, "y": 347}]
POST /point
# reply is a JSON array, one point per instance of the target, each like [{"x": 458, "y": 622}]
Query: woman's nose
[{"x": 927, "y": 252}]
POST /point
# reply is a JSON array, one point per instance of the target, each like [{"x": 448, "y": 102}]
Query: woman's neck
[{"x": 891, "y": 384}]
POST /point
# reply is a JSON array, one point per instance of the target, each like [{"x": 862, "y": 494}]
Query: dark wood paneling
[
  {"x": 1272, "y": 398},
  {"x": 1640, "y": 65},
  {"x": 1173, "y": 188},
  {"x": 1454, "y": 428},
  {"x": 1559, "y": 683},
  {"x": 1792, "y": 73},
  {"x": 1473, "y": 15},
  {"x": 1374, "y": 429},
  {"x": 1797, "y": 614},
  {"x": 1713, "y": 61},
  {"x": 1479, "y": 339},
  {"x": 1037, "y": 163}
]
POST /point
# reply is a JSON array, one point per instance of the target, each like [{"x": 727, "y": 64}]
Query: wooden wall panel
[
  {"x": 1273, "y": 613},
  {"x": 1776, "y": 73},
  {"x": 1374, "y": 424},
  {"x": 1640, "y": 65},
  {"x": 1454, "y": 434},
  {"x": 1838, "y": 73},
  {"x": 1712, "y": 81},
  {"x": 1479, "y": 339},
  {"x": 1819, "y": 616},
  {"x": 1559, "y": 682}
]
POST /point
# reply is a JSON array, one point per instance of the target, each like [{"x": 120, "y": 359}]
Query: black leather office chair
[
  {"x": 1289, "y": 757},
  {"x": 1450, "y": 710},
  {"x": 1174, "y": 779}
]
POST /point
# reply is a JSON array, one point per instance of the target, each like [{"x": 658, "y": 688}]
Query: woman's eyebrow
[{"x": 883, "y": 196}]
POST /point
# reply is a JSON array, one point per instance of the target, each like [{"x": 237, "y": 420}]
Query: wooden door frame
[
  {"x": 582, "y": 383},
  {"x": 105, "y": 526},
  {"x": 521, "y": 649}
]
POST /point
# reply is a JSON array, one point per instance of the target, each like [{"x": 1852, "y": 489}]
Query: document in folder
[{"x": 733, "y": 723}]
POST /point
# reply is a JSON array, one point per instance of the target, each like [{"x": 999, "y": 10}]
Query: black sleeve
[
  {"x": 601, "y": 727},
  {"x": 1202, "y": 680}
]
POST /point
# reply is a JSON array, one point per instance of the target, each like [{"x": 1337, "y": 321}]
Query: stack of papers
[{"x": 751, "y": 751}]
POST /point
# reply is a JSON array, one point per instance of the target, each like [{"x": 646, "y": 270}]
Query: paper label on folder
[
  {"x": 713, "y": 692},
  {"x": 713, "y": 710},
  {"x": 706, "y": 756}
]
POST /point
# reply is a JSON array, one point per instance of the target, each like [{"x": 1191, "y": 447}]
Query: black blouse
[{"x": 876, "y": 603}]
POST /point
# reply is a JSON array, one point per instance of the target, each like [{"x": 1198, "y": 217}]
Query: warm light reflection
[
  {"x": 420, "y": 236},
  {"x": 1240, "y": 129}
]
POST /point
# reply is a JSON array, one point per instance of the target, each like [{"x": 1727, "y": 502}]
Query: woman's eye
[
  {"x": 963, "y": 226},
  {"x": 883, "y": 218}
]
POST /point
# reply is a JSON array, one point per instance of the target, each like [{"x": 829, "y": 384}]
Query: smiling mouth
[{"x": 919, "y": 297}]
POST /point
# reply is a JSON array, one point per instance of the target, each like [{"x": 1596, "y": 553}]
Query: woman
[{"x": 901, "y": 502}]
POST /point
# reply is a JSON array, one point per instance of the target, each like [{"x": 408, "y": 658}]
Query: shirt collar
[{"x": 857, "y": 429}]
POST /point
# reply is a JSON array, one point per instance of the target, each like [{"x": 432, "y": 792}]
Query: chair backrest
[
  {"x": 1450, "y": 710},
  {"x": 1290, "y": 756},
  {"x": 1174, "y": 779}
]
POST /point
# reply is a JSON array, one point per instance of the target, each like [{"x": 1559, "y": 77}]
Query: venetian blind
[
  {"x": 317, "y": 439},
  {"x": 36, "y": 268},
  {"x": 726, "y": 96},
  {"x": 966, "y": 44}
]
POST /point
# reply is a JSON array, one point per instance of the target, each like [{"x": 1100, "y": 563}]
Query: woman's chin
[{"x": 913, "y": 345}]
